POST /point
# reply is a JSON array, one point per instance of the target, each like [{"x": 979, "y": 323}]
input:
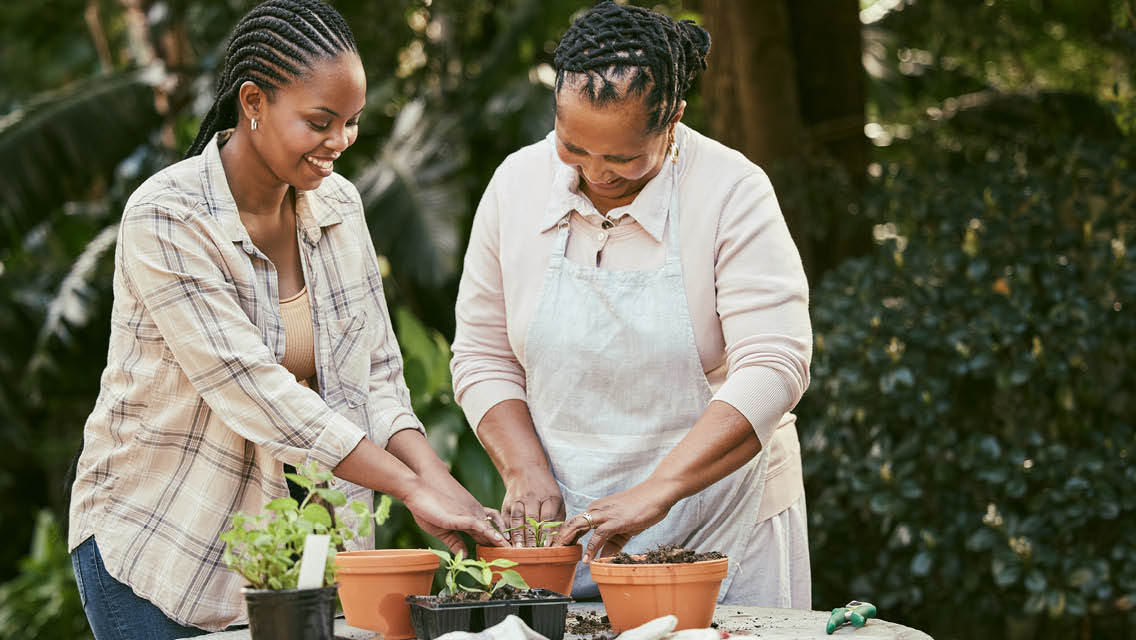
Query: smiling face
[
  {"x": 609, "y": 146},
  {"x": 307, "y": 123}
]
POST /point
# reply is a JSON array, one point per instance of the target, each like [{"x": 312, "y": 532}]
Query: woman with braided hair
[
  {"x": 632, "y": 322},
  {"x": 249, "y": 331}
]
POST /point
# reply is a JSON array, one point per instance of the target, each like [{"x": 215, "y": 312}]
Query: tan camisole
[{"x": 299, "y": 338}]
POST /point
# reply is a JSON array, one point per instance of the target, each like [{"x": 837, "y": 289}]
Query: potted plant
[
  {"x": 668, "y": 580},
  {"x": 543, "y": 566},
  {"x": 497, "y": 592},
  {"x": 266, "y": 550}
]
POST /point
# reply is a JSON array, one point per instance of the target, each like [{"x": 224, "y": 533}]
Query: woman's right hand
[
  {"x": 445, "y": 518},
  {"x": 530, "y": 492}
]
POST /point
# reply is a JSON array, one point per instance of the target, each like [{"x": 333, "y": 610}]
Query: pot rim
[
  {"x": 248, "y": 589},
  {"x": 386, "y": 561},
  {"x": 570, "y": 553},
  {"x": 703, "y": 570}
]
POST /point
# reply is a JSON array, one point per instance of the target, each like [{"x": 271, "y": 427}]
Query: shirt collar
[
  {"x": 313, "y": 209},
  {"x": 649, "y": 208}
]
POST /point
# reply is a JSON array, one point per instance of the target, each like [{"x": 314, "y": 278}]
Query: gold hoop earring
[{"x": 253, "y": 125}]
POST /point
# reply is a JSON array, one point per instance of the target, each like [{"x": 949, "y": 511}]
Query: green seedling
[
  {"x": 542, "y": 530},
  {"x": 481, "y": 571},
  {"x": 266, "y": 548}
]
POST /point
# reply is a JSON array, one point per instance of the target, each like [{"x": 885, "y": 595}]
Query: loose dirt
[{"x": 666, "y": 554}]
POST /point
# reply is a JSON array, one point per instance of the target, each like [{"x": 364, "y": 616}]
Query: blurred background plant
[{"x": 957, "y": 173}]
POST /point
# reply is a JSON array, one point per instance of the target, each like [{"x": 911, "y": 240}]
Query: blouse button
[{"x": 601, "y": 236}]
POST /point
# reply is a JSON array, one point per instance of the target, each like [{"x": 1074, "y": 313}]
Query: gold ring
[{"x": 591, "y": 523}]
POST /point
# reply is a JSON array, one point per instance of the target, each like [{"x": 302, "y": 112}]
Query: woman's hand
[
  {"x": 616, "y": 519},
  {"x": 530, "y": 492},
  {"x": 444, "y": 518}
]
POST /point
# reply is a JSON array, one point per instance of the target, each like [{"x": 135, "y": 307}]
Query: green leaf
[
  {"x": 317, "y": 514},
  {"x": 282, "y": 504},
  {"x": 1035, "y": 581},
  {"x": 921, "y": 563},
  {"x": 334, "y": 497},
  {"x": 382, "y": 513},
  {"x": 300, "y": 480},
  {"x": 501, "y": 562},
  {"x": 1080, "y": 577},
  {"x": 511, "y": 578}
]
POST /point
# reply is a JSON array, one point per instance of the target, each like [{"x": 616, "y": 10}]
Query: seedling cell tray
[{"x": 545, "y": 614}]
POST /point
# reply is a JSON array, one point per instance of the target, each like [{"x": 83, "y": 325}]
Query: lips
[
  {"x": 604, "y": 186},
  {"x": 322, "y": 166}
]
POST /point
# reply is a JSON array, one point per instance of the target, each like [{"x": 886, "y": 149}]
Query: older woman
[{"x": 633, "y": 323}]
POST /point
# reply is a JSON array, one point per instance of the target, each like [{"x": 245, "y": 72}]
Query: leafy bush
[
  {"x": 968, "y": 436},
  {"x": 43, "y": 601}
]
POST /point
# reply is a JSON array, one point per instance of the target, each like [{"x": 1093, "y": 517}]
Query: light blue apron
[{"x": 614, "y": 381}]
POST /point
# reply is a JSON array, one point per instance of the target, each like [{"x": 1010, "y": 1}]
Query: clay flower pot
[
  {"x": 637, "y": 593},
  {"x": 551, "y": 568},
  {"x": 373, "y": 586}
]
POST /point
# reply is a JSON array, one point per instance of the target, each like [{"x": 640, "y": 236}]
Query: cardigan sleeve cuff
[
  {"x": 761, "y": 395},
  {"x": 480, "y": 397}
]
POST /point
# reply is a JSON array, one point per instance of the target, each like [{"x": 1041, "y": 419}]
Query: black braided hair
[
  {"x": 611, "y": 41},
  {"x": 276, "y": 42}
]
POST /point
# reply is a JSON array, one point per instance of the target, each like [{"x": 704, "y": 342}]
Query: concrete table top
[{"x": 760, "y": 622}]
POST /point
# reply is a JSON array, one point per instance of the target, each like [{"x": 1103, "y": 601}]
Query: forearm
[
  {"x": 414, "y": 450},
  {"x": 508, "y": 435},
  {"x": 721, "y": 441},
  {"x": 371, "y": 466}
]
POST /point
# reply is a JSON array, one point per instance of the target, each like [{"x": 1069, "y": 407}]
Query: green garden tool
[{"x": 855, "y": 613}]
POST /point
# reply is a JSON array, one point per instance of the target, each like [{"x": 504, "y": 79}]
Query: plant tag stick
[{"x": 313, "y": 562}]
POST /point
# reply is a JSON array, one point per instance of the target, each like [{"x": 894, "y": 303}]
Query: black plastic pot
[
  {"x": 292, "y": 614},
  {"x": 432, "y": 618}
]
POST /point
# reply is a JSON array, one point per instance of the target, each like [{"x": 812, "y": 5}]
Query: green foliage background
[{"x": 968, "y": 432}]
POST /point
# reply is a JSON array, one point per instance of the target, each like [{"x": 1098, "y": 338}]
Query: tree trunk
[{"x": 785, "y": 87}]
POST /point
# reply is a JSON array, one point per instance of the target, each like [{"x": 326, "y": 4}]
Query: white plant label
[{"x": 313, "y": 562}]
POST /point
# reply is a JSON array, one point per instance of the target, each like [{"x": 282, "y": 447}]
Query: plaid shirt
[{"x": 195, "y": 415}]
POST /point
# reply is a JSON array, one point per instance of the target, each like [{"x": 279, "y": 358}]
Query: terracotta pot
[
  {"x": 551, "y": 568},
  {"x": 637, "y": 593},
  {"x": 373, "y": 586}
]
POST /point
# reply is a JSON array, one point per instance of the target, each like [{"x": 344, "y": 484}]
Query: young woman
[
  {"x": 249, "y": 331},
  {"x": 632, "y": 321}
]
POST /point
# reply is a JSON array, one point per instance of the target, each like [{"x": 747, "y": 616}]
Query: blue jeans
[{"x": 113, "y": 609}]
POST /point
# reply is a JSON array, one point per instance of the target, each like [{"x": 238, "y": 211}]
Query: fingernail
[{"x": 587, "y": 558}]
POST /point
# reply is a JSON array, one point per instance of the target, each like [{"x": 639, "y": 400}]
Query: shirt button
[{"x": 601, "y": 236}]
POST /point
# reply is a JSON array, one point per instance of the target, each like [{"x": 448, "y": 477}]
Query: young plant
[
  {"x": 542, "y": 530},
  {"x": 481, "y": 571},
  {"x": 266, "y": 548}
]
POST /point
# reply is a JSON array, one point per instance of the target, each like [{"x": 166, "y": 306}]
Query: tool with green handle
[{"x": 855, "y": 613}]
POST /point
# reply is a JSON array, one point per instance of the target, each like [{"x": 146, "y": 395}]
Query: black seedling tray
[{"x": 545, "y": 615}]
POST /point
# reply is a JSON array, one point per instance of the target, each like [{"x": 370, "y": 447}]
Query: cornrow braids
[
  {"x": 274, "y": 43},
  {"x": 652, "y": 53}
]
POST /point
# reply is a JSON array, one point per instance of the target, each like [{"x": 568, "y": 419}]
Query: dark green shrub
[
  {"x": 968, "y": 437},
  {"x": 43, "y": 601}
]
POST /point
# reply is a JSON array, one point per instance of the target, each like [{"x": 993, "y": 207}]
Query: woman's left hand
[{"x": 616, "y": 519}]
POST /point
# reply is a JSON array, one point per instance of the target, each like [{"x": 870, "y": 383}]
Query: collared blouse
[{"x": 195, "y": 415}]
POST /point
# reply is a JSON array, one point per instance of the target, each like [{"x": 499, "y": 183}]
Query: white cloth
[{"x": 777, "y": 571}]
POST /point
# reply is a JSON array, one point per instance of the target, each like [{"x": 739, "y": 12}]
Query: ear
[
  {"x": 250, "y": 99},
  {"x": 678, "y": 113}
]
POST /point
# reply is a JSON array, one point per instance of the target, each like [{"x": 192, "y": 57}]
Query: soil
[
  {"x": 589, "y": 624},
  {"x": 504, "y": 593},
  {"x": 666, "y": 554}
]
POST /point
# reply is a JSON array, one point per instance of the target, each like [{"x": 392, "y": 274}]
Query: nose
[
  {"x": 594, "y": 170},
  {"x": 339, "y": 140}
]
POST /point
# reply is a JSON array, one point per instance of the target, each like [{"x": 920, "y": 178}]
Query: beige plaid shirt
[{"x": 195, "y": 415}]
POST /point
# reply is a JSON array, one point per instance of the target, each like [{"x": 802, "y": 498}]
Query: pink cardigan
[{"x": 745, "y": 285}]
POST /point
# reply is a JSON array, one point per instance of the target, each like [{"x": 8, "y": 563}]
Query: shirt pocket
[{"x": 351, "y": 358}]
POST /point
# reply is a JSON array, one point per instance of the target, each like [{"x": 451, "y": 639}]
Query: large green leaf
[
  {"x": 63, "y": 143},
  {"x": 414, "y": 196}
]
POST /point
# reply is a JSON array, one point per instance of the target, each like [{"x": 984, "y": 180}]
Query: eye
[
  {"x": 353, "y": 123},
  {"x": 318, "y": 126}
]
